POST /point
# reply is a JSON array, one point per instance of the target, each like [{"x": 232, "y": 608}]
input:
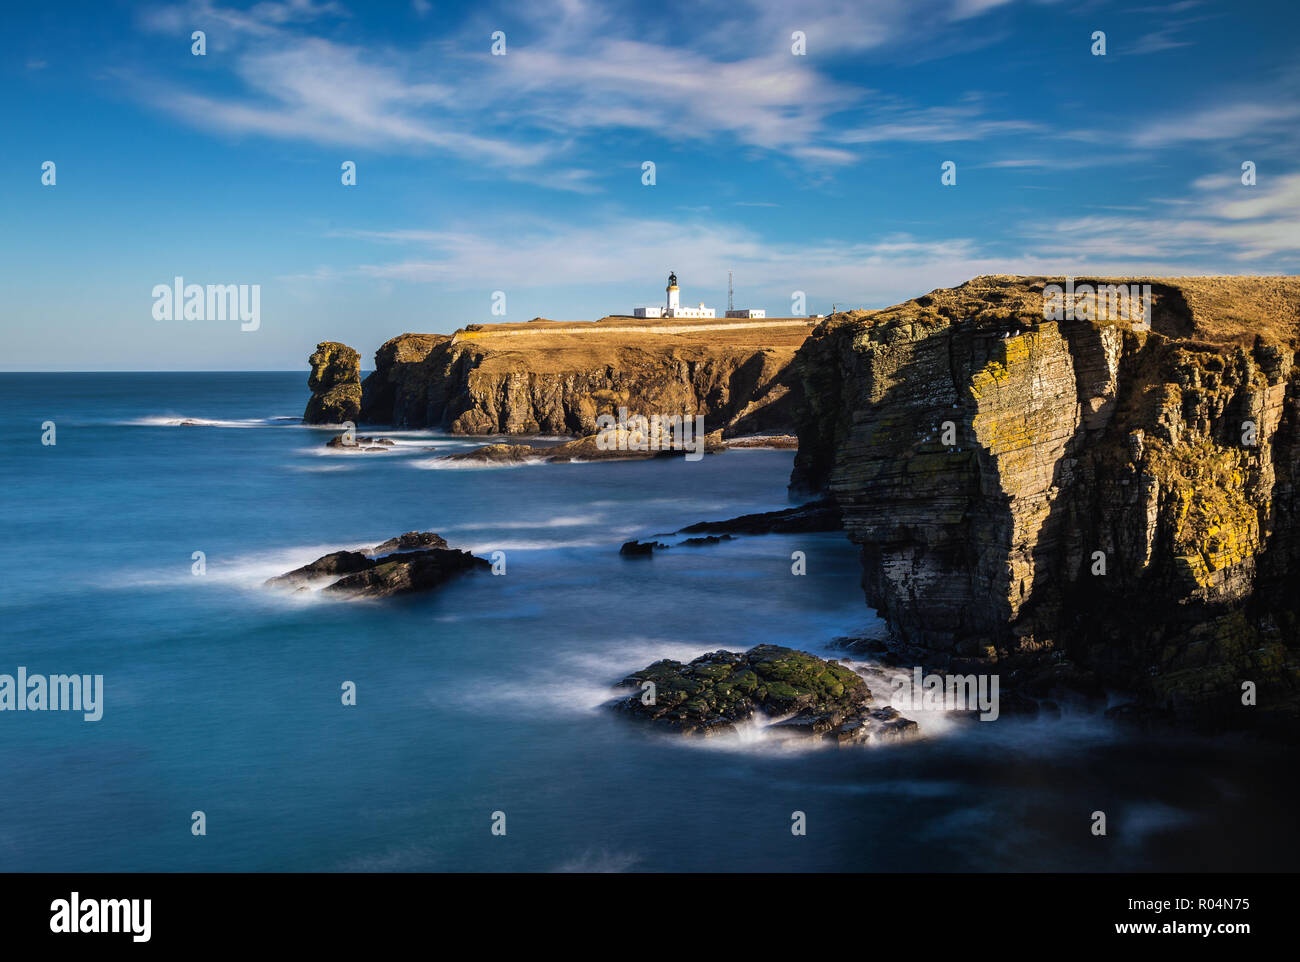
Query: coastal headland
[
  {"x": 1061, "y": 493},
  {"x": 556, "y": 378}
]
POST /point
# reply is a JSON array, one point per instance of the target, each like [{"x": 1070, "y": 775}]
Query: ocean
[{"x": 223, "y": 697}]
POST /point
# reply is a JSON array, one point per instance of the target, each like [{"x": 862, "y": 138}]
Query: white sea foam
[
  {"x": 441, "y": 464},
  {"x": 1141, "y": 820},
  {"x": 583, "y": 681},
  {"x": 881, "y": 680},
  {"x": 560, "y": 521},
  {"x": 575, "y": 682},
  {"x": 180, "y": 420},
  {"x": 323, "y": 451},
  {"x": 602, "y": 860},
  {"x": 411, "y": 858},
  {"x": 402, "y": 445},
  {"x": 242, "y": 571},
  {"x": 752, "y": 736},
  {"x": 438, "y": 464},
  {"x": 528, "y": 544},
  {"x": 317, "y": 468}
]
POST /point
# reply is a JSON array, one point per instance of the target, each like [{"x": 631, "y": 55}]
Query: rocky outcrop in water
[
  {"x": 642, "y": 549},
  {"x": 1078, "y": 491},
  {"x": 819, "y": 515},
  {"x": 411, "y": 541},
  {"x": 549, "y": 378},
  {"x": 335, "y": 383},
  {"x": 360, "y": 442},
  {"x": 406, "y": 572},
  {"x": 822, "y": 514},
  {"x": 335, "y": 564},
  {"x": 581, "y": 449},
  {"x": 414, "y": 561},
  {"x": 809, "y": 697}
]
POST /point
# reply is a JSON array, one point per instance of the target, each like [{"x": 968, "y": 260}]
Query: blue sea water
[{"x": 224, "y": 697}]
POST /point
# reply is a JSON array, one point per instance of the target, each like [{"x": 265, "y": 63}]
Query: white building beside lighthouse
[{"x": 673, "y": 307}]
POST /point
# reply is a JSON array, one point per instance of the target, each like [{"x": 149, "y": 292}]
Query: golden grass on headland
[
  {"x": 1219, "y": 309},
  {"x": 543, "y": 333},
  {"x": 629, "y": 344}
]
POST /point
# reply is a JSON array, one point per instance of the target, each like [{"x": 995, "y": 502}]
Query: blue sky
[{"x": 522, "y": 173}]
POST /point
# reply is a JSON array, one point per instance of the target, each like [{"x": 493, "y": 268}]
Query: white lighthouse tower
[{"x": 673, "y": 306}]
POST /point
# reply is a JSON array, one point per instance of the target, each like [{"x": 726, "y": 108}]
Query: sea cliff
[
  {"x": 546, "y": 377},
  {"x": 1083, "y": 497}
]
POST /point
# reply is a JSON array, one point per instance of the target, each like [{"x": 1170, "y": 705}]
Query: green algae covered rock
[{"x": 809, "y": 696}]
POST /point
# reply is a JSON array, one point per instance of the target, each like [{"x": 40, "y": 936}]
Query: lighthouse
[{"x": 673, "y": 306}]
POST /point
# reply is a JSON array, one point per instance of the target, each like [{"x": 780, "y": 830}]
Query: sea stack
[{"x": 335, "y": 383}]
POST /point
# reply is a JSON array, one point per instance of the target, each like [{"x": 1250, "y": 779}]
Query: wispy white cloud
[
  {"x": 730, "y": 76},
  {"x": 1218, "y": 220},
  {"x": 1157, "y": 41},
  {"x": 870, "y": 271},
  {"x": 775, "y": 102},
  {"x": 548, "y": 254},
  {"x": 1252, "y": 117},
  {"x": 1174, "y": 18},
  {"x": 1222, "y": 218},
  {"x": 936, "y": 125},
  {"x": 841, "y": 26},
  {"x": 318, "y": 90},
  {"x": 260, "y": 20}
]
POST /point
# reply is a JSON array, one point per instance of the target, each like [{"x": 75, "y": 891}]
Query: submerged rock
[
  {"x": 581, "y": 449},
  {"x": 641, "y": 549},
  {"x": 501, "y": 454},
  {"x": 645, "y": 549},
  {"x": 706, "y": 540},
  {"x": 360, "y": 442},
  {"x": 715, "y": 692},
  {"x": 822, "y": 515}
]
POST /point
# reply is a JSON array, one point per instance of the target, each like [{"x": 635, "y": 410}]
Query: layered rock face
[
  {"x": 397, "y": 391},
  {"x": 1084, "y": 489},
  {"x": 545, "y": 377},
  {"x": 335, "y": 383}
]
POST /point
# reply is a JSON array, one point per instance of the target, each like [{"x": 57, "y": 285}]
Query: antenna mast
[{"x": 731, "y": 302}]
